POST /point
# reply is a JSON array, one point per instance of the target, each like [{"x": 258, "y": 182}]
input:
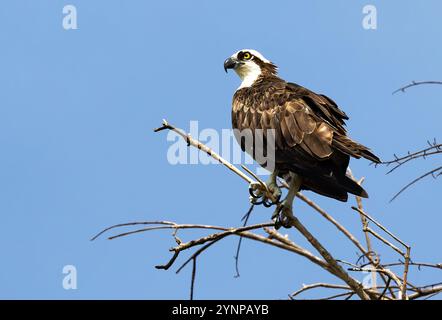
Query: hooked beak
[{"x": 230, "y": 63}]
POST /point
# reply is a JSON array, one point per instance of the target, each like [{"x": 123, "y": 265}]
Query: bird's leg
[
  {"x": 273, "y": 186},
  {"x": 284, "y": 210},
  {"x": 258, "y": 196}
]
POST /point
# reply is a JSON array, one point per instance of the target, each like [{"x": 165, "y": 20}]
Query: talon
[
  {"x": 282, "y": 214},
  {"x": 258, "y": 196},
  {"x": 267, "y": 203},
  {"x": 255, "y": 187},
  {"x": 255, "y": 200},
  {"x": 277, "y": 224},
  {"x": 282, "y": 221},
  {"x": 253, "y": 194},
  {"x": 286, "y": 223}
]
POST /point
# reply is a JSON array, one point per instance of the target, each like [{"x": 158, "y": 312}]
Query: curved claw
[
  {"x": 256, "y": 192},
  {"x": 264, "y": 200},
  {"x": 253, "y": 194},
  {"x": 268, "y": 203},
  {"x": 255, "y": 201},
  {"x": 282, "y": 215},
  {"x": 282, "y": 222}
]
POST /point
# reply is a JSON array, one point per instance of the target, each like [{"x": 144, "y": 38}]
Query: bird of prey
[{"x": 312, "y": 149}]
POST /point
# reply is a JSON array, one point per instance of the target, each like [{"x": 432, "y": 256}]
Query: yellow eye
[{"x": 247, "y": 56}]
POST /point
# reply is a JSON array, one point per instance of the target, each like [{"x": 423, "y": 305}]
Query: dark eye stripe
[{"x": 242, "y": 54}]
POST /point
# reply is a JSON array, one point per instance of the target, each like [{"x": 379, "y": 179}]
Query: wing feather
[
  {"x": 309, "y": 131},
  {"x": 300, "y": 118},
  {"x": 306, "y": 122},
  {"x": 287, "y": 129},
  {"x": 296, "y": 133}
]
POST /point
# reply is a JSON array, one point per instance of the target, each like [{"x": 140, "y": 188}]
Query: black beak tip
[{"x": 229, "y": 64}]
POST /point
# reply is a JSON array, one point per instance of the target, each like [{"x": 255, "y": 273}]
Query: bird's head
[{"x": 249, "y": 65}]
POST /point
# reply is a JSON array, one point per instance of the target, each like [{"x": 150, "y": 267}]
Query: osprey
[{"x": 312, "y": 149}]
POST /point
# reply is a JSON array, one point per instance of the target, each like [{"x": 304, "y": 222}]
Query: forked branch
[{"x": 267, "y": 234}]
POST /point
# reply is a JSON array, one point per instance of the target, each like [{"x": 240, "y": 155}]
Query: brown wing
[
  {"x": 329, "y": 133},
  {"x": 301, "y": 128},
  {"x": 310, "y": 134},
  {"x": 288, "y": 114},
  {"x": 301, "y": 119},
  {"x": 322, "y": 106}
]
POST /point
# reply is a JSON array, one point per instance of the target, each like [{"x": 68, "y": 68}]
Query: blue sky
[{"x": 77, "y": 109}]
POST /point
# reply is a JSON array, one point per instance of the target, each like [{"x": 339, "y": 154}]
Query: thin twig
[
  {"x": 347, "y": 294},
  {"x": 415, "y": 83},
  {"x": 327, "y": 216},
  {"x": 405, "y": 276},
  {"x": 385, "y": 241},
  {"x": 238, "y": 248},
  {"x": 192, "y": 283},
  {"x": 203, "y": 147},
  {"x": 387, "y": 286},
  {"x": 387, "y": 272},
  {"x": 130, "y": 224},
  {"x": 344, "y": 231},
  {"x": 425, "y": 292},
  {"x": 364, "y": 223},
  {"x": 379, "y": 225},
  {"x": 416, "y": 264},
  {"x": 319, "y": 285},
  {"x": 433, "y": 173},
  {"x": 434, "y": 148}
]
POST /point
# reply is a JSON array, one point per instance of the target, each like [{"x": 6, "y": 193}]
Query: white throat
[{"x": 249, "y": 73}]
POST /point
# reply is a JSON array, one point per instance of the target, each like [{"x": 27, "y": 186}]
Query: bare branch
[
  {"x": 405, "y": 276},
  {"x": 434, "y": 173},
  {"x": 385, "y": 241},
  {"x": 347, "y": 294},
  {"x": 203, "y": 147},
  {"x": 190, "y": 141},
  {"x": 131, "y": 224},
  {"x": 319, "y": 285},
  {"x": 238, "y": 248},
  {"x": 364, "y": 223},
  {"x": 434, "y": 148},
  {"x": 338, "y": 270},
  {"x": 416, "y": 83},
  {"x": 419, "y": 265},
  {"x": 296, "y": 248},
  {"x": 380, "y": 226},
  {"x": 425, "y": 292},
  {"x": 339, "y": 226},
  {"x": 387, "y": 272},
  {"x": 324, "y": 260}
]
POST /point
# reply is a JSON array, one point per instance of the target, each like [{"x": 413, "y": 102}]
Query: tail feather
[
  {"x": 354, "y": 149},
  {"x": 334, "y": 187},
  {"x": 352, "y": 187},
  {"x": 367, "y": 154}
]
